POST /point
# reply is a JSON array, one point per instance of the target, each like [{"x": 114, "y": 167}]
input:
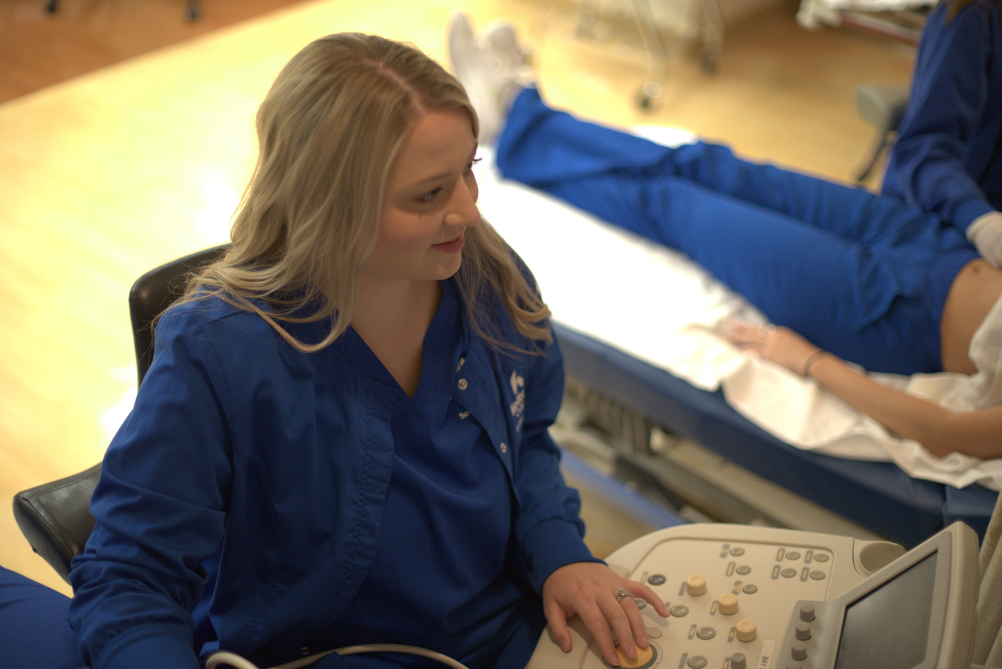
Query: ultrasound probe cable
[{"x": 224, "y": 657}]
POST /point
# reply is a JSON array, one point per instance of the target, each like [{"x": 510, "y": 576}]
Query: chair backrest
[
  {"x": 156, "y": 290},
  {"x": 55, "y": 517}
]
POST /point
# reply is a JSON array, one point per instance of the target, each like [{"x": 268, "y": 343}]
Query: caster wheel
[
  {"x": 648, "y": 95},
  {"x": 710, "y": 60}
]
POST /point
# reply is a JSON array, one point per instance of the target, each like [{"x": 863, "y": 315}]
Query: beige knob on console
[
  {"x": 695, "y": 585},
  {"x": 644, "y": 657},
  {"x": 746, "y": 630},
  {"x": 728, "y": 603}
]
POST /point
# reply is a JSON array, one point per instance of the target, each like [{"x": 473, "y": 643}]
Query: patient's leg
[
  {"x": 33, "y": 627},
  {"x": 862, "y": 303},
  {"x": 547, "y": 148}
]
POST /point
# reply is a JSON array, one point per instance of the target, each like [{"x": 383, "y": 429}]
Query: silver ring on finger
[{"x": 622, "y": 594}]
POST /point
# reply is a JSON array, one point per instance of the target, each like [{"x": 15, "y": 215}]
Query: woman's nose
[{"x": 463, "y": 208}]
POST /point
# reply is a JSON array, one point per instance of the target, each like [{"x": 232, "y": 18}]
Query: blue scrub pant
[
  {"x": 34, "y": 631},
  {"x": 862, "y": 276}
]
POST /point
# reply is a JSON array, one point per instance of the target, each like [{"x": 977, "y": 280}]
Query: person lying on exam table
[
  {"x": 947, "y": 158},
  {"x": 342, "y": 438},
  {"x": 844, "y": 275}
]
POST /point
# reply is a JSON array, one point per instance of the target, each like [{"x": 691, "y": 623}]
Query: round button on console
[
  {"x": 679, "y": 611},
  {"x": 695, "y": 585},
  {"x": 728, "y": 603},
  {"x": 803, "y": 631},
  {"x": 807, "y": 612},
  {"x": 750, "y": 589},
  {"x": 798, "y": 650},
  {"x": 706, "y": 633},
  {"x": 657, "y": 579},
  {"x": 746, "y": 631},
  {"x": 696, "y": 662},
  {"x": 738, "y": 661}
]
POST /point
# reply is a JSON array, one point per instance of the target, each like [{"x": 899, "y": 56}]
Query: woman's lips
[{"x": 452, "y": 246}]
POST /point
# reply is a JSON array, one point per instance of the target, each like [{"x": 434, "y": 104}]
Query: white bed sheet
[
  {"x": 813, "y": 14},
  {"x": 655, "y": 304}
]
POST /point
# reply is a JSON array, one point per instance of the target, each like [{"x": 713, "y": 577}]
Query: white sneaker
[
  {"x": 500, "y": 38},
  {"x": 491, "y": 69}
]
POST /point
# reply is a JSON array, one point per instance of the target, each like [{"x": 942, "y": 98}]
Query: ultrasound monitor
[{"x": 916, "y": 613}]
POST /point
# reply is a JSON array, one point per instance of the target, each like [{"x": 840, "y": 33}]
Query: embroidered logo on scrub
[{"x": 518, "y": 406}]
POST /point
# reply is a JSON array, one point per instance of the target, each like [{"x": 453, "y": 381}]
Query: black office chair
[
  {"x": 55, "y": 517},
  {"x": 882, "y": 106}
]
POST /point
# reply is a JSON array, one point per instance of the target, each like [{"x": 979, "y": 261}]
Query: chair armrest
[{"x": 55, "y": 517}]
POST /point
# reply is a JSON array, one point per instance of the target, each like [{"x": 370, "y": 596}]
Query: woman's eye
[
  {"x": 429, "y": 196},
  {"x": 475, "y": 161}
]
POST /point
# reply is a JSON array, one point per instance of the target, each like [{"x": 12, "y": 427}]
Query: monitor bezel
[{"x": 941, "y": 585}]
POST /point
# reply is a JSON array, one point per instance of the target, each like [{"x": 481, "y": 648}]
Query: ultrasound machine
[{"x": 746, "y": 597}]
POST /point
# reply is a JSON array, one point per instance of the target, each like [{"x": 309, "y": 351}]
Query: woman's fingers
[
  {"x": 605, "y": 620},
  {"x": 606, "y": 605},
  {"x": 750, "y": 335},
  {"x": 556, "y": 620},
  {"x": 622, "y": 623},
  {"x": 778, "y": 344},
  {"x": 648, "y": 595}
]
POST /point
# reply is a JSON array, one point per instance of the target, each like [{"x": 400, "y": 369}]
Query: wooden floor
[
  {"x": 40, "y": 48},
  {"x": 125, "y": 138}
]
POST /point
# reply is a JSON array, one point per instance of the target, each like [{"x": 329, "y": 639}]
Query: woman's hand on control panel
[{"x": 589, "y": 590}]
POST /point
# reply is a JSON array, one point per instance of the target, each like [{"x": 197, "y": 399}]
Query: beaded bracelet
[{"x": 811, "y": 360}]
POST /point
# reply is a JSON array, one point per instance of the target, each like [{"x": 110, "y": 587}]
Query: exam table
[{"x": 636, "y": 404}]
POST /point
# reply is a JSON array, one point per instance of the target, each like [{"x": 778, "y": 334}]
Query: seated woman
[
  {"x": 947, "y": 158},
  {"x": 342, "y": 438},
  {"x": 865, "y": 278}
]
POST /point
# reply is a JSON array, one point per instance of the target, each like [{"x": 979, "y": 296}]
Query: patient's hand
[{"x": 778, "y": 344}]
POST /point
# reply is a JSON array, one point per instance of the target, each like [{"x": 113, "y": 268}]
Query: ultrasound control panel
[{"x": 742, "y": 597}]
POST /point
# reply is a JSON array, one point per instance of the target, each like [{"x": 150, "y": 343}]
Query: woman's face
[{"x": 430, "y": 201}]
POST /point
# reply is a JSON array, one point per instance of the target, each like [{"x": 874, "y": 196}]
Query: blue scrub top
[
  {"x": 249, "y": 485},
  {"x": 947, "y": 158},
  {"x": 450, "y": 497}
]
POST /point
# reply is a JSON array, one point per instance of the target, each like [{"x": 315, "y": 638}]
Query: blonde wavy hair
[{"x": 329, "y": 130}]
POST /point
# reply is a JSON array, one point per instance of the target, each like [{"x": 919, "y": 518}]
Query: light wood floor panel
[
  {"x": 38, "y": 49},
  {"x": 108, "y": 174}
]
